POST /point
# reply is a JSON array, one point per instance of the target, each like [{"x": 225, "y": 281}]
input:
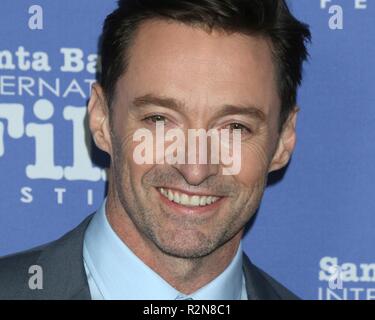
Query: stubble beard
[{"x": 193, "y": 244}]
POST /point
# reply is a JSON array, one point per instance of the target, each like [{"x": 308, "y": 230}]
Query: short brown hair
[{"x": 269, "y": 18}]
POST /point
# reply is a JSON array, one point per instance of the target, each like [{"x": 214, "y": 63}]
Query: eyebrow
[
  {"x": 151, "y": 99},
  {"x": 227, "y": 109},
  {"x": 247, "y": 110}
]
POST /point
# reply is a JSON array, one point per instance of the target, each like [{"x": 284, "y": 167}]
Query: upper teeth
[{"x": 187, "y": 200}]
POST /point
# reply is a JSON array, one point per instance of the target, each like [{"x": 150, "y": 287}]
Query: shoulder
[
  {"x": 261, "y": 286},
  {"x": 281, "y": 290},
  {"x": 60, "y": 263},
  {"x": 15, "y": 272}
]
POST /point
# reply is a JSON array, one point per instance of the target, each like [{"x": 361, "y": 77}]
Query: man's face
[{"x": 204, "y": 73}]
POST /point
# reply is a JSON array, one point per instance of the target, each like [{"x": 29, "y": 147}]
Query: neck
[{"x": 185, "y": 275}]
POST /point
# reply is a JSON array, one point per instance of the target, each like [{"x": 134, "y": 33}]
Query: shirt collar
[{"x": 119, "y": 274}]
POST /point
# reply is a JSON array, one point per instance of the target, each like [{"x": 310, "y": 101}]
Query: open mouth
[{"x": 189, "y": 200}]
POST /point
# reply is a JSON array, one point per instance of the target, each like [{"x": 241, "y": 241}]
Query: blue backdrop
[{"x": 315, "y": 214}]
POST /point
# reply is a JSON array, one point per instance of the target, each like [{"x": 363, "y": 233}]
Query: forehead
[{"x": 186, "y": 62}]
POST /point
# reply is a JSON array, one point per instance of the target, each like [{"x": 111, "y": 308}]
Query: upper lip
[{"x": 192, "y": 192}]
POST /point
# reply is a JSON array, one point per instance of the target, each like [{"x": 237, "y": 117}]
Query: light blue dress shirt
[{"x": 114, "y": 272}]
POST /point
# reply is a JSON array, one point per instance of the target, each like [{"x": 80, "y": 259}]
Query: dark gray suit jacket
[{"x": 64, "y": 275}]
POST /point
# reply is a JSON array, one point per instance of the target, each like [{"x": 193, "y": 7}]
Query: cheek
[
  {"x": 255, "y": 161},
  {"x": 123, "y": 163},
  {"x": 136, "y": 173}
]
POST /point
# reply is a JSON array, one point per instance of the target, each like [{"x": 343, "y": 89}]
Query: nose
[
  {"x": 198, "y": 165},
  {"x": 195, "y": 174}
]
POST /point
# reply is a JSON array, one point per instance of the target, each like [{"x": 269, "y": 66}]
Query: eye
[
  {"x": 239, "y": 126},
  {"x": 155, "y": 118}
]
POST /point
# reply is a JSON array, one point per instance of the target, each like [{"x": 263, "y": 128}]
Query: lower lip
[{"x": 191, "y": 210}]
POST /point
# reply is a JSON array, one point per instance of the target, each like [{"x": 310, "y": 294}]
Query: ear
[
  {"x": 287, "y": 142},
  {"x": 99, "y": 119}
]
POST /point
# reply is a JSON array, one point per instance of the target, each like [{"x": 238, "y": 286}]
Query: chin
[{"x": 191, "y": 245}]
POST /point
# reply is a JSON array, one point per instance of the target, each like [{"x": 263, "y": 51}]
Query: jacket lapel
[{"x": 257, "y": 287}]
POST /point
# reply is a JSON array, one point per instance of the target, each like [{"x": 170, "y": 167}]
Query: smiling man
[{"x": 173, "y": 231}]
